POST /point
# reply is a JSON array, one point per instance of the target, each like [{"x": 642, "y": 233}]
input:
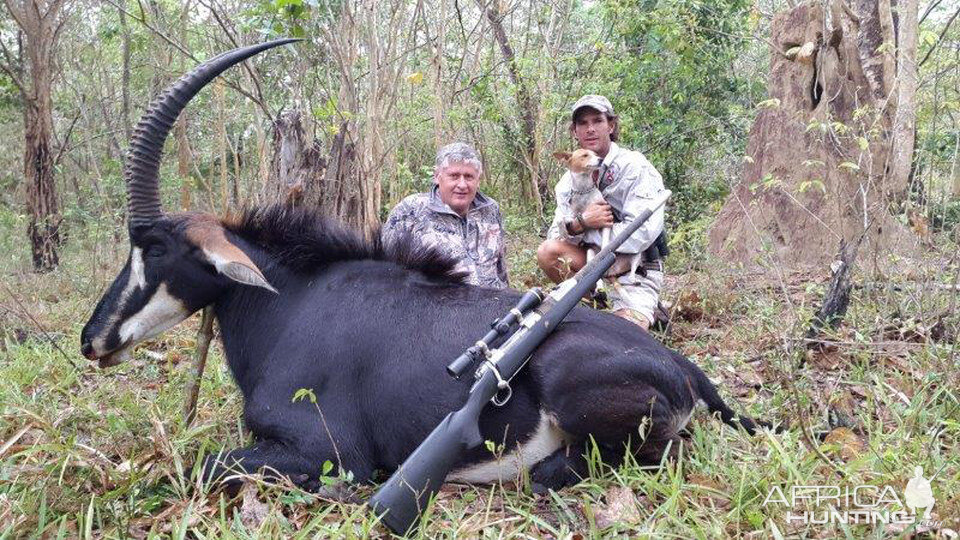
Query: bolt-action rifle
[{"x": 402, "y": 498}]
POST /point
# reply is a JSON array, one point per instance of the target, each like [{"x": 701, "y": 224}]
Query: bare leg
[
  {"x": 633, "y": 317},
  {"x": 559, "y": 259}
]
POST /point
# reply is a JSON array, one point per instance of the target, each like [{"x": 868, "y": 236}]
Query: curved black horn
[{"x": 146, "y": 145}]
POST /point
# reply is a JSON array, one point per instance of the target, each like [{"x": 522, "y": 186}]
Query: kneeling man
[{"x": 628, "y": 183}]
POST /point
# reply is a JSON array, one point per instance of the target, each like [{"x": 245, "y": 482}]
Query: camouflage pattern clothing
[{"x": 477, "y": 240}]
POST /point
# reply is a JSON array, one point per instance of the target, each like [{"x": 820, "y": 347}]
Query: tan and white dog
[{"x": 583, "y": 192}]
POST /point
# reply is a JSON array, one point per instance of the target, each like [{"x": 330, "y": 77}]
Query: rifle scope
[{"x": 499, "y": 328}]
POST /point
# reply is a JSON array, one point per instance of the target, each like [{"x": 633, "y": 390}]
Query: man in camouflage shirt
[{"x": 456, "y": 217}]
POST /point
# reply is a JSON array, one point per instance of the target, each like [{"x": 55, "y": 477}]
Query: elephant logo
[{"x": 919, "y": 494}]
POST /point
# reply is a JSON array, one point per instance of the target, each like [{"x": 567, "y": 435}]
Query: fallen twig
[
  {"x": 856, "y": 344},
  {"x": 13, "y": 440}
]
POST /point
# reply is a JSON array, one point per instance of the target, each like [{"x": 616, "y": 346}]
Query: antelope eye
[{"x": 156, "y": 250}]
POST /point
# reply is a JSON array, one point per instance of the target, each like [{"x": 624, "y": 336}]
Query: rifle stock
[
  {"x": 406, "y": 494},
  {"x": 402, "y": 499}
]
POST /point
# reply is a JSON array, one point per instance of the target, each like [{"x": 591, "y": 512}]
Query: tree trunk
[
  {"x": 439, "y": 109},
  {"x": 42, "y": 203},
  {"x": 218, "y": 92},
  {"x": 263, "y": 160},
  {"x": 877, "y": 59},
  {"x": 358, "y": 153},
  {"x": 183, "y": 144},
  {"x": 837, "y": 298},
  {"x": 296, "y": 168},
  {"x": 183, "y": 162},
  {"x": 373, "y": 154},
  {"x": 816, "y": 170},
  {"x": 340, "y": 196},
  {"x": 904, "y": 126},
  {"x": 125, "y": 75},
  {"x": 528, "y": 106},
  {"x": 41, "y": 22},
  {"x": 237, "y": 151}
]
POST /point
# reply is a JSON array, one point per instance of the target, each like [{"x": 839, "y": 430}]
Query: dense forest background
[
  {"x": 376, "y": 87},
  {"x": 349, "y": 119}
]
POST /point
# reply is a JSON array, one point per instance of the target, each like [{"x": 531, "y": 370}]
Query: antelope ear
[
  {"x": 241, "y": 271},
  {"x": 562, "y": 157},
  {"x": 225, "y": 256}
]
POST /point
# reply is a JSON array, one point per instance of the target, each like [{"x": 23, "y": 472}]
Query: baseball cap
[{"x": 593, "y": 101}]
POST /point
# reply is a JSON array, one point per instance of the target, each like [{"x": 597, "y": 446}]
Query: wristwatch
[
  {"x": 580, "y": 221},
  {"x": 576, "y": 219}
]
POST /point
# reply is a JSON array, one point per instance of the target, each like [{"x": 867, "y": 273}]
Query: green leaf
[
  {"x": 327, "y": 467},
  {"x": 770, "y": 181},
  {"x": 304, "y": 393},
  {"x": 804, "y": 186},
  {"x": 849, "y": 166}
]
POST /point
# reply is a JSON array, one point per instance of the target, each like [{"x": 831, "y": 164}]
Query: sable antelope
[{"x": 305, "y": 303}]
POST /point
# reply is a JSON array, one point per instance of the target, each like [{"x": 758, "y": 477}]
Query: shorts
[{"x": 638, "y": 292}]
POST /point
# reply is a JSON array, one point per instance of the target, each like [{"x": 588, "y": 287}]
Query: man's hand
[{"x": 598, "y": 216}]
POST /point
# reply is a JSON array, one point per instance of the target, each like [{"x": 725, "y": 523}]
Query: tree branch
[
  {"x": 946, "y": 27},
  {"x": 66, "y": 138},
  {"x": 13, "y": 77},
  {"x": 16, "y": 12},
  {"x": 185, "y": 52},
  {"x": 8, "y": 67},
  {"x": 849, "y": 13},
  {"x": 161, "y": 35},
  {"x": 254, "y": 74},
  {"x": 933, "y": 5}
]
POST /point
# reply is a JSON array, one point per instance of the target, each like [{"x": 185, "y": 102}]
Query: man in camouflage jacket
[{"x": 456, "y": 217}]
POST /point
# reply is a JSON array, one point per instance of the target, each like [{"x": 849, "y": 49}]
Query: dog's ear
[{"x": 562, "y": 157}]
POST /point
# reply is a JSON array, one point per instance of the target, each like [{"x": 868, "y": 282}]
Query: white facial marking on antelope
[
  {"x": 142, "y": 302},
  {"x": 137, "y": 276},
  {"x": 159, "y": 313}
]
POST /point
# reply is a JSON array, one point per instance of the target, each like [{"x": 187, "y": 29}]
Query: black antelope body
[{"x": 304, "y": 303}]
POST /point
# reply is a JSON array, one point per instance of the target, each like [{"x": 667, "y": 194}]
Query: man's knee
[
  {"x": 635, "y": 317},
  {"x": 548, "y": 252}
]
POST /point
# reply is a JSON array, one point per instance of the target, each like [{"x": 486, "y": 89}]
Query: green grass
[{"x": 106, "y": 454}]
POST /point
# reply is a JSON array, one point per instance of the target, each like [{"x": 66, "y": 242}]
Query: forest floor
[{"x": 95, "y": 453}]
